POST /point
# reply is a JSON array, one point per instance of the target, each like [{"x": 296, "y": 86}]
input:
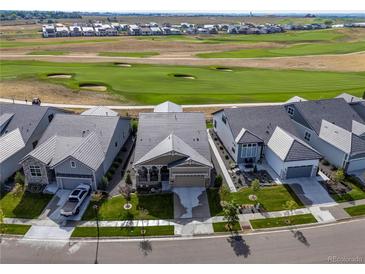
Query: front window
[
  {"x": 215, "y": 124},
  {"x": 307, "y": 136},
  {"x": 249, "y": 151},
  {"x": 35, "y": 171},
  {"x": 73, "y": 164},
  {"x": 224, "y": 118}
]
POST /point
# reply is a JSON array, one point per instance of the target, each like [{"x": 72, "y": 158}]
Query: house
[
  {"x": 252, "y": 135},
  {"x": 88, "y": 31},
  {"x": 146, "y": 31},
  {"x": 332, "y": 127},
  {"x": 134, "y": 30},
  {"x": 100, "y": 111},
  {"x": 75, "y": 31},
  {"x": 48, "y": 31},
  {"x": 76, "y": 149},
  {"x": 156, "y": 31},
  {"x": 21, "y": 127},
  {"x": 172, "y": 149},
  {"x": 62, "y": 31}
]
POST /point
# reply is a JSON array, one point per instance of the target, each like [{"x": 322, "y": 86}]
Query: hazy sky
[{"x": 186, "y": 5}]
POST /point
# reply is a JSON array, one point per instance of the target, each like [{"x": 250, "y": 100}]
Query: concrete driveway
[
  {"x": 310, "y": 192},
  {"x": 190, "y": 202}
]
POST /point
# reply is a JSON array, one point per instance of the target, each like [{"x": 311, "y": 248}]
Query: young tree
[
  {"x": 255, "y": 185},
  {"x": 104, "y": 183},
  {"x": 126, "y": 192},
  {"x": 17, "y": 190},
  {"x": 128, "y": 180},
  {"x": 290, "y": 205},
  {"x": 230, "y": 210},
  {"x": 339, "y": 176}
]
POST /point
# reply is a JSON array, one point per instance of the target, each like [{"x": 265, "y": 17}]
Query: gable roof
[
  {"x": 100, "y": 111},
  {"x": 341, "y": 138},
  {"x": 245, "y": 136},
  {"x": 290, "y": 148},
  {"x": 155, "y": 127},
  {"x": 10, "y": 143},
  {"x": 168, "y": 107},
  {"x": 349, "y": 98},
  {"x": 24, "y": 117},
  {"x": 260, "y": 121},
  {"x": 358, "y": 128},
  {"x": 56, "y": 149},
  {"x": 359, "y": 108},
  {"x": 73, "y": 125},
  {"x": 295, "y": 99},
  {"x": 336, "y": 111},
  {"x": 173, "y": 143}
]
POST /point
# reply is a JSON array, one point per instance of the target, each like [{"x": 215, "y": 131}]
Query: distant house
[
  {"x": 266, "y": 133},
  {"x": 146, "y": 31},
  {"x": 76, "y": 149},
  {"x": 75, "y": 31},
  {"x": 88, "y": 31},
  {"x": 156, "y": 31},
  {"x": 172, "y": 149},
  {"x": 332, "y": 127},
  {"x": 62, "y": 31},
  {"x": 134, "y": 30},
  {"x": 21, "y": 127},
  {"x": 48, "y": 31}
]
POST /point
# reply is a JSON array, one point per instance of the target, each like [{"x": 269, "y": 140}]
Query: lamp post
[{"x": 95, "y": 207}]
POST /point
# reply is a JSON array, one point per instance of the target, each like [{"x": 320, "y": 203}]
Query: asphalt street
[{"x": 340, "y": 242}]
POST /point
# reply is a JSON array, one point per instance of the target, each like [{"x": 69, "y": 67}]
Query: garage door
[
  {"x": 189, "y": 181},
  {"x": 71, "y": 183},
  {"x": 356, "y": 165},
  {"x": 299, "y": 171}
]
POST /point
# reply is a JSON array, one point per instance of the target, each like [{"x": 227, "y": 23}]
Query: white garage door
[
  {"x": 189, "y": 181},
  {"x": 71, "y": 183},
  {"x": 356, "y": 165}
]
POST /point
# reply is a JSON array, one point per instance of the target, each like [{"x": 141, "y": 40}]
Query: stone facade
[{"x": 29, "y": 179}]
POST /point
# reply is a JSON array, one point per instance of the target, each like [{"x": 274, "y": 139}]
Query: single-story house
[
  {"x": 254, "y": 134},
  {"x": 172, "y": 149},
  {"x": 21, "y": 127},
  {"x": 332, "y": 127},
  {"x": 76, "y": 149}
]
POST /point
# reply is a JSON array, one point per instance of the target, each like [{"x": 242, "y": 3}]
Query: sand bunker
[
  {"x": 93, "y": 87},
  {"x": 125, "y": 65},
  {"x": 185, "y": 76},
  {"x": 59, "y": 76},
  {"x": 223, "y": 69}
]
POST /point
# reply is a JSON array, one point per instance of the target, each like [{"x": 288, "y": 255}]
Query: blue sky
[{"x": 187, "y": 5}]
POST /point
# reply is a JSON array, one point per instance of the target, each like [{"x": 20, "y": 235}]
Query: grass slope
[
  {"x": 140, "y": 54},
  {"x": 283, "y": 221},
  {"x": 159, "y": 206},
  {"x": 210, "y": 85},
  {"x": 122, "y": 231},
  {"x": 28, "y": 205},
  {"x": 47, "y": 52},
  {"x": 296, "y": 50}
]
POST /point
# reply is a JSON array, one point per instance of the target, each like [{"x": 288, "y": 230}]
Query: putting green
[{"x": 152, "y": 84}]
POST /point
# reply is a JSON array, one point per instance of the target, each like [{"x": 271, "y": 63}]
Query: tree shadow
[
  {"x": 297, "y": 234},
  {"x": 239, "y": 245},
  {"x": 145, "y": 247}
]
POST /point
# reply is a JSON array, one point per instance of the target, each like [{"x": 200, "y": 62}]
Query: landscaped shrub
[
  {"x": 104, "y": 183},
  {"x": 112, "y": 170},
  {"x": 221, "y": 148},
  {"x": 227, "y": 157},
  {"x": 218, "y": 181},
  {"x": 109, "y": 175},
  {"x": 19, "y": 178},
  {"x": 119, "y": 160},
  {"x": 333, "y": 168},
  {"x": 255, "y": 185},
  {"x": 339, "y": 176},
  {"x": 325, "y": 163},
  {"x": 115, "y": 165}
]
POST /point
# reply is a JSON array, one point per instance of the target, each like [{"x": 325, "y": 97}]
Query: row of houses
[
  {"x": 113, "y": 29},
  {"x": 57, "y": 147}
]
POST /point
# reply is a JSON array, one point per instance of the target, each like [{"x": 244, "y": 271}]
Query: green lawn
[
  {"x": 47, "y": 52},
  {"x": 283, "y": 221},
  {"x": 15, "y": 229},
  {"x": 221, "y": 227},
  {"x": 356, "y": 193},
  {"x": 210, "y": 85},
  {"x": 270, "y": 198},
  {"x": 123, "y": 231},
  {"x": 128, "y": 54},
  {"x": 356, "y": 210},
  {"x": 28, "y": 205},
  {"x": 159, "y": 206},
  {"x": 295, "y": 50}
]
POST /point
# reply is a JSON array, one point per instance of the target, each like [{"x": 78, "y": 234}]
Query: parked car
[{"x": 75, "y": 200}]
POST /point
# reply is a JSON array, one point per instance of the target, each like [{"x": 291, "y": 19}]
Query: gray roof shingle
[
  {"x": 261, "y": 121},
  {"x": 336, "y": 111},
  {"x": 155, "y": 127}
]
